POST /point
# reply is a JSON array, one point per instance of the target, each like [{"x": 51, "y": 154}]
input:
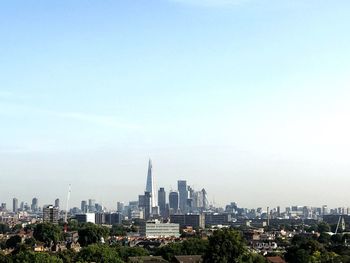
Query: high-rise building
[
  {"x": 150, "y": 185},
  {"x": 91, "y": 207},
  {"x": 50, "y": 214},
  {"x": 14, "y": 205},
  {"x": 84, "y": 206},
  {"x": 183, "y": 195},
  {"x": 34, "y": 206},
  {"x": 57, "y": 202},
  {"x": 147, "y": 204},
  {"x": 173, "y": 202},
  {"x": 120, "y": 207},
  {"x": 162, "y": 202}
]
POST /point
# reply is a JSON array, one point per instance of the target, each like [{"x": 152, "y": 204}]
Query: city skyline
[{"x": 246, "y": 99}]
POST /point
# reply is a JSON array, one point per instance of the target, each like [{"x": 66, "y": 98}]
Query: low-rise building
[{"x": 157, "y": 229}]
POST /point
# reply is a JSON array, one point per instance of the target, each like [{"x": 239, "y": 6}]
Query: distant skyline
[{"x": 247, "y": 99}]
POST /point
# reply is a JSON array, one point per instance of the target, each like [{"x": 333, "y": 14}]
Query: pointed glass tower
[{"x": 150, "y": 185}]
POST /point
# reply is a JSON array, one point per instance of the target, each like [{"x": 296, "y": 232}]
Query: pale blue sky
[{"x": 249, "y": 99}]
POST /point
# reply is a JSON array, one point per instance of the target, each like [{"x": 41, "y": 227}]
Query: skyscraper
[
  {"x": 57, "y": 202},
  {"x": 150, "y": 185},
  {"x": 34, "y": 206},
  {"x": 161, "y": 202},
  {"x": 183, "y": 195},
  {"x": 14, "y": 205},
  {"x": 84, "y": 206},
  {"x": 173, "y": 202}
]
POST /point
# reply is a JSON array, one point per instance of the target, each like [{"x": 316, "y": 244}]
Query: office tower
[
  {"x": 173, "y": 202},
  {"x": 3, "y": 206},
  {"x": 50, "y": 214},
  {"x": 57, "y": 202},
  {"x": 14, "y": 205},
  {"x": 83, "y": 206},
  {"x": 324, "y": 210},
  {"x": 150, "y": 185},
  {"x": 148, "y": 207},
  {"x": 183, "y": 195},
  {"x": 22, "y": 206},
  {"x": 91, "y": 207},
  {"x": 34, "y": 206},
  {"x": 161, "y": 202},
  {"x": 120, "y": 207}
]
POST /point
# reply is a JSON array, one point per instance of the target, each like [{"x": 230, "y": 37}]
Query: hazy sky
[{"x": 246, "y": 98}]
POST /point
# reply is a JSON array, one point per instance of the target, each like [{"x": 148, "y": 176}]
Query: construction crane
[{"x": 67, "y": 204}]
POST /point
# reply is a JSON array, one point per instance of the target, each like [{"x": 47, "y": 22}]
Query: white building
[
  {"x": 85, "y": 218},
  {"x": 156, "y": 229}
]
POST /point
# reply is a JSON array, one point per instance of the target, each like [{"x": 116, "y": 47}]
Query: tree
[
  {"x": 4, "y": 228},
  {"x": 323, "y": 227},
  {"x": 126, "y": 252},
  {"x": 98, "y": 253},
  {"x": 29, "y": 257},
  {"x": 91, "y": 233},
  {"x": 30, "y": 242},
  {"x": 225, "y": 246},
  {"x": 48, "y": 233},
  {"x": 117, "y": 230},
  {"x": 13, "y": 241}
]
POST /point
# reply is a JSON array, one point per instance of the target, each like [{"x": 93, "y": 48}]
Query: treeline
[{"x": 223, "y": 246}]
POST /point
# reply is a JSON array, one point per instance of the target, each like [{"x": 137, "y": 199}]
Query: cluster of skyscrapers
[
  {"x": 183, "y": 200},
  {"x": 33, "y": 207}
]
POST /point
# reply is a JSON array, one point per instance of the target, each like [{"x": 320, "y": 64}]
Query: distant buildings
[
  {"x": 186, "y": 220},
  {"x": 183, "y": 195},
  {"x": 173, "y": 202},
  {"x": 34, "y": 206},
  {"x": 50, "y": 214},
  {"x": 162, "y": 202},
  {"x": 57, "y": 202},
  {"x": 14, "y": 205},
  {"x": 85, "y": 218}
]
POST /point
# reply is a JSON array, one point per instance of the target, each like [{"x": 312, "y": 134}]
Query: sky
[{"x": 248, "y": 99}]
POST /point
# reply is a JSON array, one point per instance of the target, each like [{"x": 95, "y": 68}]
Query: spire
[{"x": 150, "y": 186}]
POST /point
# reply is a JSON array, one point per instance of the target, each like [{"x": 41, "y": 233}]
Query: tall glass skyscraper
[
  {"x": 183, "y": 195},
  {"x": 150, "y": 185}
]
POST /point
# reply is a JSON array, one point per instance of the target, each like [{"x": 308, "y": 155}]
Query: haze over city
[{"x": 247, "y": 99}]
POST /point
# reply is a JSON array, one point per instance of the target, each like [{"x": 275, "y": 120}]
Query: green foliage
[
  {"x": 192, "y": 246},
  {"x": 48, "y": 233},
  {"x": 16, "y": 228},
  {"x": 5, "y": 259},
  {"x": 118, "y": 230},
  {"x": 98, "y": 253},
  {"x": 126, "y": 252},
  {"x": 90, "y": 234},
  {"x": 30, "y": 257},
  {"x": 4, "y": 228},
  {"x": 67, "y": 256},
  {"x": 252, "y": 258},
  {"x": 324, "y": 238},
  {"x": 30, "y": 241},
  {"x": 323, "y": 227},
  {"x": 225, "y": 246},
  {"x": 13, "y": 241}
]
